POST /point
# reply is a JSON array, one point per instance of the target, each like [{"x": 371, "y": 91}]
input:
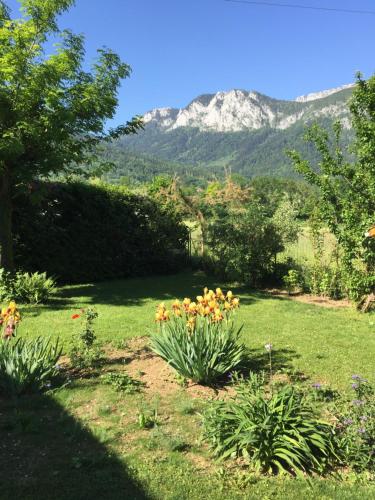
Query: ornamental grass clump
[
  {"x": 273, "y": 432},
  {"x": 25, "y": 365},
  {"x": 199, "y": 338}
]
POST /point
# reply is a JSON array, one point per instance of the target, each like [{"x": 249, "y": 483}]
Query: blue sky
[{"x": 179, "y": 49}]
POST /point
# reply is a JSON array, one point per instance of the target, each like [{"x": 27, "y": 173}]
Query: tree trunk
[{"x": 6, "y": 239}]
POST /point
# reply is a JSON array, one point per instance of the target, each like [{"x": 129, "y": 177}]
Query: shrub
[
  {"x": 85, "y": 352},
  {"x": 293, "y": 281},
  {"x": 92, "y": 232},
  {"x": 355, "y": 429},
  {"x": 199, "y": 340},
  {"x": 243, "y": 245},
  {"x": 274, "y": 433},
  {"x": 32, "y": 288},
  {"x": 27, "y": 365}
]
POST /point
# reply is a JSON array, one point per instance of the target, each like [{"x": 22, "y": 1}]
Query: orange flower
[{"x": 75, "y": 316}]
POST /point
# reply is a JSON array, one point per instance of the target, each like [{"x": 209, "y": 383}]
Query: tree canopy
[{"x": 53, "y": 112}]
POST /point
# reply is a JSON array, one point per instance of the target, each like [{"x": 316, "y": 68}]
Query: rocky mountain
[
  {"x": 239, "y": 110},
  {"x": 242, "y": 130}
]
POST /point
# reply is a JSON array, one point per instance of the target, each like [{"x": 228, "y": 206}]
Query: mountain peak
[
  {"x": 324, "y": 93},
  {"x": 238, "y": 110}
]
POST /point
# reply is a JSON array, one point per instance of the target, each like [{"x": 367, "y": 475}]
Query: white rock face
[
  {"x": 325, "y": 93},
  {"x": 239, "y": 110}
]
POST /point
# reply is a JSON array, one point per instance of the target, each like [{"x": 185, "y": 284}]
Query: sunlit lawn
[
  {"x": 329, "y": 345},
  {"x": 82, "y": 441}
]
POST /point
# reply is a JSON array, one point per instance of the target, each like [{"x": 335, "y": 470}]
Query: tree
[
  {"x": 52, "y": 112},
  {"x": 347, "y": 187}
]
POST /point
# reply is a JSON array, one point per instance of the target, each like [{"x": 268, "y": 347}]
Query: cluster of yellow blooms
[
  {"x": 9, "y": 319},
  {"x": 213, "y": 305}
]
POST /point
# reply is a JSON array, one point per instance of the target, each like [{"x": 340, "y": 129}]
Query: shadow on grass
[
  {"x": 135, "y": 292},
  {"x": 45, "y": 453},
  {"x": 258, "y": 361}
]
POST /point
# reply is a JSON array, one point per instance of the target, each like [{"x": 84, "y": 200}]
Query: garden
[
  {"x": 130, "y": 389},
  {"x": 167, "y": 340}
]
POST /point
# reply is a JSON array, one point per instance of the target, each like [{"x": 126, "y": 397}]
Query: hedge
[{"x": 80, "y": 232}]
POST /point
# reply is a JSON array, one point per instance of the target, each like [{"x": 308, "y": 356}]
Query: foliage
[
  {"x": 285, "y": 221},
  {"x": 274, "y": 433},
  {"x": 243, "y": 245},
  {"x": 85, "y": 352},
  {"x": 32, "y": 288},
  {"x": 53, "y": 112},
  {"x": 148, "y": 419},
  {"x": 293, "y": 281},
  {"x": 122, "y": 382},
  {"x": 89, "y": 232},
  {"x": 356, "y": 426},
  {"x": 27, "y": 365},
  {"x": 199, "y": 340},
  {"x": 348, "y": 188}
]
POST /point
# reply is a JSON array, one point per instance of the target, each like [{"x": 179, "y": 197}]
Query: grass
[{"x": 83, "y": 440}]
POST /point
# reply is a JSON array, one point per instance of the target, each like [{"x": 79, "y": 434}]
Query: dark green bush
[{"x": 80, "y": 232}]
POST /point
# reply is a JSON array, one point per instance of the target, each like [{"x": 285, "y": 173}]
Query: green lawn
[{"x": 82, "y": 441}]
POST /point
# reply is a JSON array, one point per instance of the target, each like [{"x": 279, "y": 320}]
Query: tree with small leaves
[
  {"x": 52, "y": 111},
  {"x": 347, "y": 188}
]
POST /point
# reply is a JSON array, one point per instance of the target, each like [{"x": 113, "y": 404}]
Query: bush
[
  {"x": 243, "y": 245},
  {"x": 200, "y": 340},
  {"x": 96, "y": 232},
  {"x": 355, "y": 427},
  {"x": 32, "y": 288},
  {"x": 27, "y": 366},
  {"x": 273, "y": 433},
  {"x": 122, "y": 382},
  {"x": 293, "y": 281}
]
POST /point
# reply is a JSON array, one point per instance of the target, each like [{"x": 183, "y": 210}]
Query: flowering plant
[
  {"x": 9, "y": 320},
  {"x": 198, "y": 338}
]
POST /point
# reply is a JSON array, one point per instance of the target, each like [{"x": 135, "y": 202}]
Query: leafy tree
[
  {"x": 347, "y": 187},
  {"x": 52, "y": 112}
]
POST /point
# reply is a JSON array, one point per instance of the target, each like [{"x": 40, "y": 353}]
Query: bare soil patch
[
  {"x": 317, "y": 300},
  {"x": 159, "y": 378}
]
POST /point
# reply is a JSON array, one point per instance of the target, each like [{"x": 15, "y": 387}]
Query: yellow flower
[
  {"x": 236, "y": 302},
  {"x": 229, "y": 295},
  {"x": 205, "y": 290},
  {"x": 176, "y": 304},
  {"x": 227, "y": 306},
  {"x": 177, "y": 312},
  {"x": 191, "y": 323},
  {"x": 200, "y": 299},
  {"x": 12, "y": 306}
]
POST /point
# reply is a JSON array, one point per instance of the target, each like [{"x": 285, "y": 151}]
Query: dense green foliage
[
  {"x": 32, "y": 288},
  {"x": 243, "y": 245},
  {"x": 273, "y": 432},
  {"x": 27, "y": 365},
  {"x": 348, "y": 188},
  {"x": 52, "y": 111},
  {"x": 80, "y": 232}
]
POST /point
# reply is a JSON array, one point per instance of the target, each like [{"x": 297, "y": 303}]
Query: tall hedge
[{"x": 80, "y": 232}]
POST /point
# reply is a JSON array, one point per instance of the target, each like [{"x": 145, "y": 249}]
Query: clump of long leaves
[
  {"x": 203, "y": 353},
  {"x": 27, "y": 365},
  {"x": 275, "y": 433}
]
